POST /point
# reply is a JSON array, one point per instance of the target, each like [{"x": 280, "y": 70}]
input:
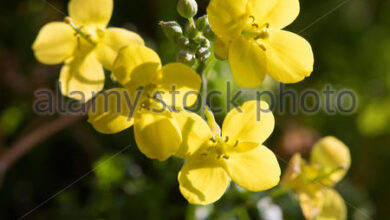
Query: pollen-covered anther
[
  {"x": 251, "y": 19},
  {"x": 68, "y": 20},
  {"x": 262, "y": 34}
]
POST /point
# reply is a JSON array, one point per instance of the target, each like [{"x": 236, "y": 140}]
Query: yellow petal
[
  {"x": 289, "y": 57},
  {"x": 91, "y": 12},
  {"x": 243, "y": 147},
  {"x": 253, "y": 124},
  {"x": 255, "y": 170},
  {"x": 114, "y": 39},
  {"x": 157, "y": 135},
  {"x": 203, "y": 180},
  {"x": 292, "y": 171},
  {"x": 310, "y": 203},
  {"x": 195, "y": 133},
  {"x": 333, "y": 157},
  {"x": 333, "y": 206},
  {"x": 82, "y": 77},
  {"x": 227, "y": 17},
  {"x": 247, "y": 62},
  {"x": 182, "y": 81},
  {"x": 110, "y": 111},
  {"x": 277, "y": 13},
  {"x": 136, "y": 65},
  {"x": 55, "y": 43},
  {"x": 221, "y": 49}
]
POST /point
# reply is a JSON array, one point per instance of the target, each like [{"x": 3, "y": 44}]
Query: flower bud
[
  {"x": 204, "y": 42},
  {"x": 186, "y": 57},
  {"x": 209, "y": 33},
  {"x": 187, "y": 8},
  {"x": 203, "y": 53},
  {"x": 202, "y": 23},
  {"x": 213, "y": 125},
  {"x": 190, "y": 31},
  {"x": 182, "y": 42},
  {"x": 171, "y": 29}
]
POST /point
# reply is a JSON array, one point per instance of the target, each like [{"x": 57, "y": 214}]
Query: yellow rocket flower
[
  {"x": 84, "y": 44},
  {"x": 312, "y": 182},
  {"x": 250, "y": 36},
  {"x": 237, "y": 153},
  {"x": 156, "y": 131}
]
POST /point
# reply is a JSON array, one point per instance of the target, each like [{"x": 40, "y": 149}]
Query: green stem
[
  {"x": 190, "y": 212},
  {"x": 280, "y": 191},
  {"x": 191, "y": 21},
  {"x": 204, "y": 70}
]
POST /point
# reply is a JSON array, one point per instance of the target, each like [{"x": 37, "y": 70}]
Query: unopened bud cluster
[{"x": 193, "y": 38}]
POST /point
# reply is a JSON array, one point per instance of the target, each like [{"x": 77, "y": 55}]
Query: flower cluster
[
  {"x": 312, "y": 182},
  {"x": 246, "y": 32}
]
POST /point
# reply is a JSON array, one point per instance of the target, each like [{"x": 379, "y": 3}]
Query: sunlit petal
[
  {"x": 195, "y": 133},
  {"x": 55, "y": 43},
  {"x": 251, "y": 122},
  {"x": 110, "y": 112},
  {"x": 82, "y": 77},
  {"x": 114, "y": 39},
  {"x": 136, "y": 65},
  {"x": 91, "y": 12},
  {"x": 227, "y": 17},
  {"x": 289, "y": 57},
  {"x": 255, "y": 170},
  {"x": 203, "y": 180},
  {"x": 277, "y": 13},
  {"x": 179, "y": 85},
  {"x": 247, "y": 62},
  {"x": 158, "y": 135}
]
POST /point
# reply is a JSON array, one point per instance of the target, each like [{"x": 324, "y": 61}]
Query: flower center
[
  {"x": 256, "y": 32},
  {"x": 84, "y": 35},
  {"x": 221, "y": 147},
  {"x": 147, "y": 98}
]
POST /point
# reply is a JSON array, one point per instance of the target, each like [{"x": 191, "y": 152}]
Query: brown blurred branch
[{"x": 37, "y": 135}]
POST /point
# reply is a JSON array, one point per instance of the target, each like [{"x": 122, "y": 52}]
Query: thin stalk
[{"x": 205, "y": 69}]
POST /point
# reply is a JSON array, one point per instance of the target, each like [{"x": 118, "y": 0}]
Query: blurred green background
[{"x": 352, "y": 50}]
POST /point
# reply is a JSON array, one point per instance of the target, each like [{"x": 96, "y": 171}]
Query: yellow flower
[
  {"x": 237, "y": 153},
  {"x": 156, "y": 131},
  {"x": 313, "y": 182},
  {"x": 84, "y": 45},
  {"x": 250, "y": 35}
]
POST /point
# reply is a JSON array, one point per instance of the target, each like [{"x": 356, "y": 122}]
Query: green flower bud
[
  {"x": 202, "y": 23},
  {"x": 187, "y": 8},
  {"x": 209, "y": 33},
  {"x": 171, "y": 29},
  {"x": 190, "y": 31},
  {"x": 203, "y": 41},
  {"x": 203, "y": 53},
  {"x": 182, "y": 42},
  {"x": 186, "y": 57}
]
